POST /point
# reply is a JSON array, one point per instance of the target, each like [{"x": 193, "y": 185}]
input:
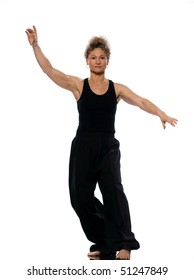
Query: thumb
[{"x": 163, "y": 124}]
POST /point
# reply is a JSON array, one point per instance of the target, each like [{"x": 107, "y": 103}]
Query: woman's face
[{"x": 97, "y": 61}]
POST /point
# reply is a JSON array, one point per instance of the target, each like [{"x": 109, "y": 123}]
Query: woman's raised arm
[{"x": 67, "y": 82}]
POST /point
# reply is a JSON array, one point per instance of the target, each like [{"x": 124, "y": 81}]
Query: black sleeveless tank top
[{"x": 97, "y": 112}]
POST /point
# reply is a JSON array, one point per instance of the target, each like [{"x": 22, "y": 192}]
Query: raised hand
[{"x": 32, "y": 36}]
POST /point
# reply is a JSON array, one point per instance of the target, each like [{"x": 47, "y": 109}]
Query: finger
[
  {"x": 164, "y": 124},
  {"x": 174, "y": 122},
  {"x": 34, "y": 27},
  {"x": 28, "y": 33},
  {"x": 29, "y": 30}
]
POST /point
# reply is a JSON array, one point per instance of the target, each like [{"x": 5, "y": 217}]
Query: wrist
[
  {"x": 34, "y": 44},
  {"x": 161, "y": 114}
]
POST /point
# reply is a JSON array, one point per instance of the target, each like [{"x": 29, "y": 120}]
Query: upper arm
[
  {"x": 68, "y": 82},
  {"x": 126, "y": 94}
]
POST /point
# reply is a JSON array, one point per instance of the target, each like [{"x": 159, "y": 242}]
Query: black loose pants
[{"x": 95, "y": 159}]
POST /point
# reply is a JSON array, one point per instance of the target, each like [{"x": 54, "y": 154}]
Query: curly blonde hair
[{"x": 98, "y": 42}]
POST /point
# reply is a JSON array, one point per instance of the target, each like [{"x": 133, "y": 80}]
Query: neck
[{"x": 97, "y": 79}]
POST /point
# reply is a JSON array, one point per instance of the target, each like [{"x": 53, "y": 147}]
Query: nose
[{"x": 97, "y": 60}]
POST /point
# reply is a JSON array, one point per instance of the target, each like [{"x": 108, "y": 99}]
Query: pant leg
[
  {"x": 116, "y": 209},
  {"x": 82, "y": 183}
]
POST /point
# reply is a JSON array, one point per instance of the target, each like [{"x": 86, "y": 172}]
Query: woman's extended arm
[
  {"x": 132, "y": 98},
  {"x": 67, "y": 82}
]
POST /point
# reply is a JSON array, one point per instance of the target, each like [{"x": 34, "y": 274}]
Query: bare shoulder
[
  {"x": 76, "y": 86},
  {"x": 125, "y": 93},
  {"x": 120, "y": 90}
]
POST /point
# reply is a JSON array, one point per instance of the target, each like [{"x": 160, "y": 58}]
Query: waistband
[{"x": 95, "y": 134}]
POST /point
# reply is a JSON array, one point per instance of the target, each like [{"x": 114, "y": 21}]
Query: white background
[{"x": 152, "y": 53}]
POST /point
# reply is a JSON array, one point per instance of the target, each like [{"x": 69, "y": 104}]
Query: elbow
[{"x": 48, "y": 70}]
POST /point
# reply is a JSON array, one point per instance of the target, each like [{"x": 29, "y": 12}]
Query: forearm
[
  {"x": 151, "y": 108},
  {"x": 42, "y": 59}
]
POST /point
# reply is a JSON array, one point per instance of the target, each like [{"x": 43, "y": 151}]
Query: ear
[{"x": 87, "y": 65}]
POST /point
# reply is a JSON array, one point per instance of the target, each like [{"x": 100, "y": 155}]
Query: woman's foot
[
  {"x": 94, "y": 254},
  {"x": 123, "y": 254}
]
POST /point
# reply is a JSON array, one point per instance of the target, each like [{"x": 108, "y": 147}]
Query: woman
[{"x": 95, "y": 154}]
